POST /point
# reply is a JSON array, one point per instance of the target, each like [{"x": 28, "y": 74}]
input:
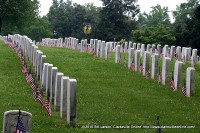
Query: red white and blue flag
[
  {"x": 20, "y": 126},
  {"x": 172, "y": 84},
  {"x": 48, "y": 107}
]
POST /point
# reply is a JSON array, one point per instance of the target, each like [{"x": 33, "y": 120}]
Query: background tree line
[{"x": 115, "y": 20}]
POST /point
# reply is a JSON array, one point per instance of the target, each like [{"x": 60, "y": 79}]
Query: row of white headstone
[
  {"x": 61, "y": 89},
  {"x": 149, "y": 53}
]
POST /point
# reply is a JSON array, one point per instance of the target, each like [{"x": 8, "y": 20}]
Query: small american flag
[
  {"x": 184, "y": 90},
  {"x": 35, "y": 91},
  {"x": 172, "y": 84},
  {"x": 147, "y": 74},
  {"x": 40, "y": 98},
  {"x": 29, "y": 78},
  {"x": 48, "y": 107},
  {"x": 132, "y": 66},
  {"x": 141, "y": 68},
  {"x": 24, "y": 70},
  {"x": 20, "y": 126}
]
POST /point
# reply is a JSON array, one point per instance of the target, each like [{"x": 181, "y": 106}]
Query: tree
[
  {"x": 183, "y": 14},
  {"x": 15, "y": 15},
  {"x": 156, "y": 16},
  {"x": 114, "y": 20},
  {"x": 195, "y": 30},
  {"x": 41, "y": 28},
  {"x": 154, "y": 35}
]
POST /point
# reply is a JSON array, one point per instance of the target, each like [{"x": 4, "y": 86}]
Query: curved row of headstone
[
  {"x": 61, "y": 89},
  {"x": 149, "y": 53}
]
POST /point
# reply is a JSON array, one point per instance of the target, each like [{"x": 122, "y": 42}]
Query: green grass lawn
[{"x": 109, "y": 94}]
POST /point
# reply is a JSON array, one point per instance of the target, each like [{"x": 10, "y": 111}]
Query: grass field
[{"x": 109, "y": 94}]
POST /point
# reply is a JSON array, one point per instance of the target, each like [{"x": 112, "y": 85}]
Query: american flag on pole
[
  {"x": 48, "y": 106},
  {"x": 24, "y": 70},
  {"x": 184, "y": 90},
  {"x": 41, "y": 100},
  {"x": 35, "y": 91},
  {"x": 29, "y": 78},
  {"x": 20, "y": 126},
  {"x": 172, "y": 84},
  {"x": 141, "y": 68},
  {"x": 132, "y": 66}
]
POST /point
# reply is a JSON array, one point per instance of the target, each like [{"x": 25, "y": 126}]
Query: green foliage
[
  {"x": 114, "y": 24},
  {"x": 195, "y": 30},
  {"x": 182, "y": 28},
  {"x": 15, "y": 15},
  {"x": 39, "y": 29},
  {"x": 157, "y": 16},
  {"x": 154, "y": 35},
  {"x": 108, "y": 95},
  {"x": 69, "y": 19}
]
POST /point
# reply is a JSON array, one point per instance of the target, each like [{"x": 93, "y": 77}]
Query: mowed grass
[{"x": 109, "y": 94}]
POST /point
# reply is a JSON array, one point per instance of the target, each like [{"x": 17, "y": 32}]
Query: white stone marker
[
  {"x": 159, "y": 49},
  {"x": 42, "y": 60},
  {"x": 142, "y": 50},
  {"x": 190, "y": 82},
  {"x": 178, "y": 74},
  {"x": 54, "y": 71},
  {"x": 178, "y": 53},
  {"x": 63, "y": 97},
  {"x": 134, "y": 46},
  {"x": 130, "y": 57},
  {"x": 172, "y": 50},
  {"x": 154, "y": 68},
  {"x": 138, "y": 46},
  {"x": 102, "y": 50},
  {"x": 148, "y": 47},
  {"x": 10, "y": 121},
  {"x": 49, "y": 79},
  {"x": 57, "y": 91},
  {"x": 71, "y": 102},
  {"x": 146, "y": 62},
  {"x": 165, "y": 70},
  {"x": 107, "y": 50},
  {"x": 117, "y": 54},
  {"x": 137, "y": 60},
  {"x": 44, "y": 77}
]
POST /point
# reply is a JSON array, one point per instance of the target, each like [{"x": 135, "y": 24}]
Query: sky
[{"x": 145, "y": 5}]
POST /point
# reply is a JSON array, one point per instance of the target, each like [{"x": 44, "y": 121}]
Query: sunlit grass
[{"x": 108, "y": 94}]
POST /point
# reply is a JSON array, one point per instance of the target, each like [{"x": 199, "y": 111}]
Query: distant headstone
[
  {"x": 130, "y": 57},
  {"x": 43, "y": 59},
  {"x": 137, "y": 60},
  {"x": 54, "y": 71},
  {"x": 117, "y": 54},
  {"x": 49, "y": 79},
  {"x": 178, "y": 74},
  {"x": 44, "y": 77},
  {"x": 146, "y": 62},
  {"x": 57, "y": 91},
  {"x": 165, "y": 70},
  {"x": 63, "y": 96},
  {"x": 71, "y": 102},
  {"x": 102, "y": 50},
  {"x": 154, "y": 68},
  {"x": 190, "y": 82},
  {"x": 10, "y": 121}
]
